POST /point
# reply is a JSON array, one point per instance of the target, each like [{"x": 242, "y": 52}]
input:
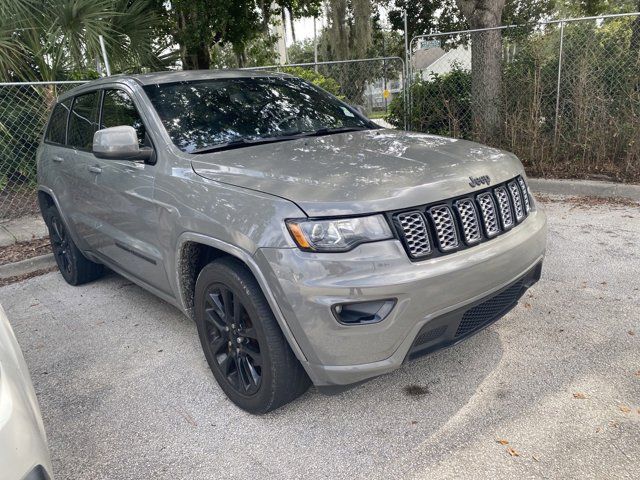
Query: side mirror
[{"x": 119, "y": 143}]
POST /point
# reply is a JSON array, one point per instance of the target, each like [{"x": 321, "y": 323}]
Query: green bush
[
  {"x": 440, "y": 105},
  {"x": 309, "y": 74}
]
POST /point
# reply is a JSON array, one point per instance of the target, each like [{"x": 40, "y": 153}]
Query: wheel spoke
[
  {"x": 213, "y": 318},
  {"x": 243, "y": 374},
  {"x": 249, "y": 332},
  {"x": 227, "y": 303},
  {"x": 217, "y": 344},
  {"x": 225, "y": 364},
  {"x": 215, "y": 301},
  {"x": 255, "y": 376},
  {"x": 253, "y": 354}
]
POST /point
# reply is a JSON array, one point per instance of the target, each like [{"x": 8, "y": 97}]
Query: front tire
[
  {"x": 75, "y": 268},
  {"x": 242, "y": 342}
]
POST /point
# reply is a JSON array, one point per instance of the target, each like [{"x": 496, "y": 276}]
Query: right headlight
[{"x": 339, "y": 234}]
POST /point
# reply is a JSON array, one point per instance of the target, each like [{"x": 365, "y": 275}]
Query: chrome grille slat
[
  {"x": 489, "y": 214},
  {"x": 445, "y": 227},
  {"x": 469, "y": 221},
  {"x": 415, "y": 233},
  {"x": 504, "y": 207},
  {"x": 525, "y": 195},
  {"x": 460, "y": 223},
  {"x": 516, "y": 198}
]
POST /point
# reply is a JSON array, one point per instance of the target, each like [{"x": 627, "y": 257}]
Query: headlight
[{"x": 340, "y": 234}]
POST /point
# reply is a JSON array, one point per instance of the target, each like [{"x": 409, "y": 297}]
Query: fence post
[
  {"x": 407, "y": 78},
  {"x": 555, "y": 128}
]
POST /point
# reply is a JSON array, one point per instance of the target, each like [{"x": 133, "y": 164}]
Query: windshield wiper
[
  {"x": 243, "y": 142},
  {"x": 329, "y": 131}
]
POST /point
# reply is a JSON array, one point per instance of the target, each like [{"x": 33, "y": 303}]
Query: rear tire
[
  {"x": 242, "y": 342},
  {"x": 75, "y": 268}
]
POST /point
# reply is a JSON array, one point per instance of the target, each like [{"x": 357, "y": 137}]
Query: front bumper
[{"x": 306, "y": 285}]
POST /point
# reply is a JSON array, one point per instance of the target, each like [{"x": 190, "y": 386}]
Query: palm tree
[{"x": 52, "y": 39}]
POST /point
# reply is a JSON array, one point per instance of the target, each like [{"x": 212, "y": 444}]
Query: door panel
[
  {"x": 124, "y": 215},
  {"x": 83, "y": 122}
]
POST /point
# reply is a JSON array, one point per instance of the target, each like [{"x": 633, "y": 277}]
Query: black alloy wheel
[
  {"x": 233, "y": 341},
  {"x": 242, "y": 342},
  {"x": 60, "y": 246}
]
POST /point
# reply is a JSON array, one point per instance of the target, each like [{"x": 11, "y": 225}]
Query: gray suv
[{"x": 308, "y": 244}]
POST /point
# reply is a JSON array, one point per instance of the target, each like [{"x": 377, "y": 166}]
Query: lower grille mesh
[{"x": 485, "y": 313}]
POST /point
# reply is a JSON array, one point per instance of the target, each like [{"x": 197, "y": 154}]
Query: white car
[{"x": 24, "y": 454}]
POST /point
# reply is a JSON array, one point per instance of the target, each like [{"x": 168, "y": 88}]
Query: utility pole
[
  {"x": 107, "y": 67},
  {"x": 315, "y": 46}
]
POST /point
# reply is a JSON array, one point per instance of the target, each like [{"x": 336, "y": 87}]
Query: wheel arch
[
  {"x": 46, "y": 199},
  {"x": 194, "y": 251}
]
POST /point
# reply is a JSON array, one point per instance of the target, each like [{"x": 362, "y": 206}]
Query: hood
[{"x": 360, "y": 172}]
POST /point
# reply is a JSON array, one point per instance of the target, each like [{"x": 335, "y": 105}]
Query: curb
[
  {"x": 27, "y": 266},
  {"x": 587, "y": 188}
]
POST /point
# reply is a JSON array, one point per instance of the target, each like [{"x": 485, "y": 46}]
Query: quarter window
[
  {"x": 57, "y": 131},
  {"x": 118, "y": 109},
  {"x": 83, "y": 122}
]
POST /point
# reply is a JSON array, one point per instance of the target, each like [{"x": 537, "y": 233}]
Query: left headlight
[{"x": 339, "y": 234}]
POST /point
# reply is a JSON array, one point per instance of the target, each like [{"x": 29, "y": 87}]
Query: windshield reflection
[{"x": 209, "y": 114}]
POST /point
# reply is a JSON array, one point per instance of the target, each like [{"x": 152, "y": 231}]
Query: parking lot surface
[{"x": 552, "y": 390}]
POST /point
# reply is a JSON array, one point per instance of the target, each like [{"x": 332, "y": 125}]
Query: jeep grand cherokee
[{"x": 308, "y": 244}]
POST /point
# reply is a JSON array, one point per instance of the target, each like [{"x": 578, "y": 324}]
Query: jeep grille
[{"x": 459, "y": 223}]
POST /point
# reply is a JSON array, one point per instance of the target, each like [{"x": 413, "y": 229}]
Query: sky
[{"x": 304, "y": 26}]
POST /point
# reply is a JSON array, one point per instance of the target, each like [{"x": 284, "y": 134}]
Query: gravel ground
[{"x": 126, "y": 393}]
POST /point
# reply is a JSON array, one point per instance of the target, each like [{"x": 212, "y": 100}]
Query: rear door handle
[
  {"x": 57, "y": 159},
  {"x": 95, "y": 169}
]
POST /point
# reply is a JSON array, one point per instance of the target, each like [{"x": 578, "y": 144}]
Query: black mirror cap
[{"x": 145, "y": 154}]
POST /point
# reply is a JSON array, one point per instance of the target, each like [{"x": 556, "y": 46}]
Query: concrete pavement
[{"x": 126, "y": 393}]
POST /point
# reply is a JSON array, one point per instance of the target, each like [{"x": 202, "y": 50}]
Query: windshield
[{"x": 207, "y": 114}]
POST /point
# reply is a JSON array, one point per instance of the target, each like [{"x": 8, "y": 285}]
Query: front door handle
[
  {"x": 57, "y": 159},
  {"x": 95, "y": 169}
]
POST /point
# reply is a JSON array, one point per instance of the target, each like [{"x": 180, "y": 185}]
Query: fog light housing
[{"x": 363, "y": 313}]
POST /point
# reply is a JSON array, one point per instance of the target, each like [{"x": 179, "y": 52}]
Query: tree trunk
[
  {"x": 486, "y": 65},
  {"x": 293, "y": 30},
  {"x": 194, "y": 55}
]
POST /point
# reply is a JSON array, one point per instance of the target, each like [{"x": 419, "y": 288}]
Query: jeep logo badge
[{"x": 483, "y": 180}]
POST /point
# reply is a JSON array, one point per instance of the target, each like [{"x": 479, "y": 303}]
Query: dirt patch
[
  {"x": 26, "y": 276},
  {"x": 588, "y": 202},
  {"x": 24, "y": 250}
]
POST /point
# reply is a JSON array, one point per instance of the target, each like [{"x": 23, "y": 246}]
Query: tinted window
[
  {"x": 206, "y": 113},
  {"x": 83, "y": 122},
  {"x": 58, "y": 124},
  {"x": 118, "y": 109}
]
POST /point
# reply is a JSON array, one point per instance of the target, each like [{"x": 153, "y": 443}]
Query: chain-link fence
[
  {"x": 371, "y": 83},
  {"x": 24, "y": 109},
  {"x": 563, "y": 95}
]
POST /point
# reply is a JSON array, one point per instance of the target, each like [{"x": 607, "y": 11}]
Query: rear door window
[
  {"x": 83, "y": 121},
  {"x": 57, "y": 131},
  {"x": 118, "y": 109}
]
